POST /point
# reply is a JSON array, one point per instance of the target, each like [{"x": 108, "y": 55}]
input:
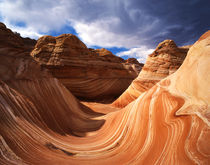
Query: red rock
[
  {"x": 134, "y": 61},
  {"x": 32, "y": 91},
  {"x": 89, "y": 74},
  {"x": 108, "y": 56},
  {"x": 165, "y": 60},
  {"x": 15, "y": 59},
  {"x": 40, "y": 120}
]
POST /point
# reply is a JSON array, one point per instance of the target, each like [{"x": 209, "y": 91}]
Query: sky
[{"x": 128, "y": 28}]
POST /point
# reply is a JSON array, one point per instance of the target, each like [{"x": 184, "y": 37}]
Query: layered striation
[
  {"x": 89, "y": 74},
  {"x": 165, "y": 60},
  {"x": 31, "y": 100},
  {"x": 41, "y": 122}
]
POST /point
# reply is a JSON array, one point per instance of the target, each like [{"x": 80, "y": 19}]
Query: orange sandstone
[
  {"x": 41, "y": 122},
  {"x": 165, "y": 60},
  {"x": 89, "y": 74}
]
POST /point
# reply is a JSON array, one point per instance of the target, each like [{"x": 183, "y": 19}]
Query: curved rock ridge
[
  {"x": 168, "y": 124},
  {"x": 89, "y": 74},
  {"x": 31, "y": 98},
  {"x": 165, "y": 60},
  {"x": 26, "y": 77},
  {"x": 30, "y": 108}
]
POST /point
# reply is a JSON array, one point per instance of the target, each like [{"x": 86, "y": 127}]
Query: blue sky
[{"x": 129, "y": 28}]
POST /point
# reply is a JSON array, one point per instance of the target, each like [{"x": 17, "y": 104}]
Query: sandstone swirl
[
  {"x": 165, "y": 60},
  {"x": 41, "y": 122},
  {"x": 89, "y": 74},
  {"x": 32, "y": 100}
]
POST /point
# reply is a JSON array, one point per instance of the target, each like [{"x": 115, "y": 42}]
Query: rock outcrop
[
  {"x": 89, "y": 74},
  {"x": 31, "y": 100},
  {"x": 165, "y": 60},
  {"x": 107, "y": 55},
  {"x": 133, "y": 61},
  {"x": 23, "y": 77},
  {"x": 138, "y": 66},
  {"x": 15, "y": 60},
  {"x": 168, "y": 124}
]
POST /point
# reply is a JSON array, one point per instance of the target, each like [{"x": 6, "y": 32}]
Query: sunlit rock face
[
  {"x": 89, "y": 74},
  {"x": 41, "y": 122},
  {"x": 165, "y": 60}
]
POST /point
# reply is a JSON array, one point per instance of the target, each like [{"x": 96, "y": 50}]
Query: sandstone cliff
[
  {"x": 89, "y": 74},
  {"x": 165, "y": 60}
]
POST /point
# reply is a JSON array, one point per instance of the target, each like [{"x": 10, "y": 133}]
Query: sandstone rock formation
[
  {"x": 165, "y": 60},
  {"x": 133, "y": 61},
  {"x": 89, "y": 74},
  {"x": 27, "y": 80},
  {"x": 15, "y": 60},
  {"x": 108, "y": 56},
  {"x": 138, "y": 66},
  {"x": 168, "y": 124}
]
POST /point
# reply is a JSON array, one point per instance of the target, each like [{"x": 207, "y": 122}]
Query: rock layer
[
  {"x": 87, "y": 73},
  {"x": 26, "y": 79},
  {"x": 165, "y": 60},
  {"x": 41, "y": 122}
]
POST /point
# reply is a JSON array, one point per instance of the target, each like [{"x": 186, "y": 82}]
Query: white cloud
[
  {"x": 127, "y": 23},
  {"x": 42, "y": 16},
  {"x": 25, "y": 31},
  {"x": 38, "y": 17},
  {"x": 140, "y": 53},
  {"x": 98, "y": 23},
  {"x": 99, "y": 33}
]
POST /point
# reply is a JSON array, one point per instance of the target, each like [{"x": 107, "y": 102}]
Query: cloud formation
[
  {"x": 132, "y": 24},
  {"x": 139, "y": 53}
]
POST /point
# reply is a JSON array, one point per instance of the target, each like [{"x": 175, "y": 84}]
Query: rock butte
[
  {"x": 165, "y": 60},
  {"x": 41, "y": 122},
  {"x": 89, "y": 74}
]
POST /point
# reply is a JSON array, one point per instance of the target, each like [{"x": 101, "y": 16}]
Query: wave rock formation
[{"x": 41, "y": 122}]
